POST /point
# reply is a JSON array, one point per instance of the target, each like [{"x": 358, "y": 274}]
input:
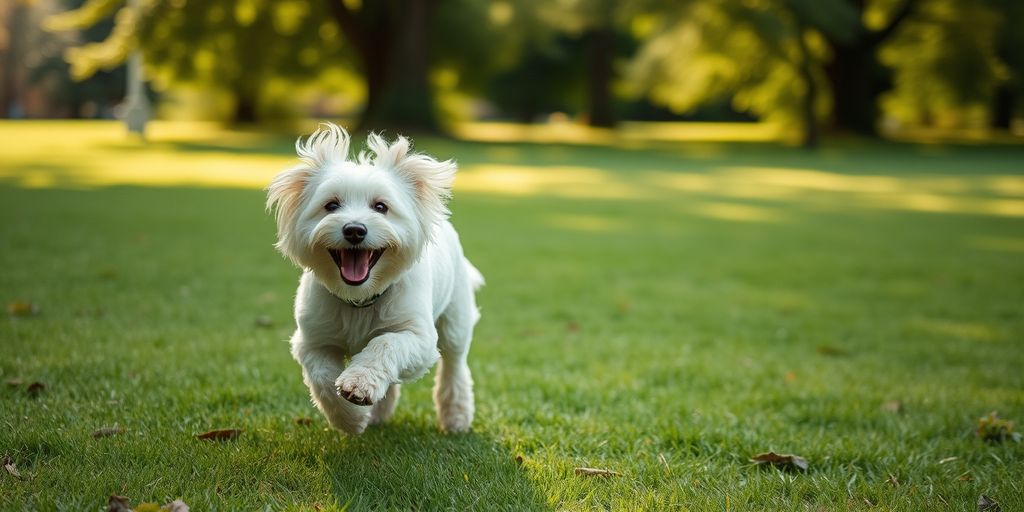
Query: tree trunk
[
  {"x": 600, "y": 52},
  {"x": 858, "y": 78},
  {"x": 854, "y": 76},
  {"x": 395, "y": 63},
  {"x": 245, "y": 110},
  {"x": 810, "y": 138},
  {"x": 16, "y": 14},
  {"x": 1002, "y": 110}
]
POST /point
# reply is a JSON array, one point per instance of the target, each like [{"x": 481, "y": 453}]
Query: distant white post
[{"x": 137, "y": 109}]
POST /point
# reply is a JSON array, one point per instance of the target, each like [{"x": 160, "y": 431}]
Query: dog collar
[{"x": 364, "y": 303}]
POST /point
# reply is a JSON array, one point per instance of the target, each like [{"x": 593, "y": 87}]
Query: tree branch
[
  {"x": 879, "y": 36},
  {"x": 348, "y": 23}
]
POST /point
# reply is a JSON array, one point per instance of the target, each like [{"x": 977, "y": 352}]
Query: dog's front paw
[{"x": 361, "y": 386}]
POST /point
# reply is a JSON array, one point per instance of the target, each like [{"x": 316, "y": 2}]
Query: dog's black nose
[{"x": 354, "y": 232}]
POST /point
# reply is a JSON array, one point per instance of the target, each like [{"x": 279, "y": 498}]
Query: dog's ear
[
  {"x": 284, "y": 195},
  {"x": 329, "y": 143},
  {"x": 431, "y": 179}
]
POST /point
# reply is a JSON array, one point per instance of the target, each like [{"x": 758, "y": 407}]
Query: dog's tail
[{"x": 476, "y": 279}]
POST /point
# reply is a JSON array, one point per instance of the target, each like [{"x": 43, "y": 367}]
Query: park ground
[{"x": 661, "y": 306}]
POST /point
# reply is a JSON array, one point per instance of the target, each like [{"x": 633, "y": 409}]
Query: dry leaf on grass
[
  {"x": 118, "y": 504},
  {"x": 995, "y": 429},
  {"x": 107, "y": 432},
  {"x": 832, "y": 351},
  {"x": 224, "y": 434},
  {"x": 986, "y": 504},
  {"x": 596, "y": 472},
  {"x": 23, "y": 309},
  {"x": 9, "y": 466},
  {"x": 176, "y": 506},
  {"x": 783, "y": 460},
  {"x": 893, "y": 406},
  {"x": 35, "y": 388}
]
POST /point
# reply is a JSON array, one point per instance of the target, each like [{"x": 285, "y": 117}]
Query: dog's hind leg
[
  {"x": 453, "y": 386},
  {"x": 383, "y": 409}
]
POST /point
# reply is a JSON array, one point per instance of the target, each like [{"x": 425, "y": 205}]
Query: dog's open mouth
[{"x": 355, "y": 264}]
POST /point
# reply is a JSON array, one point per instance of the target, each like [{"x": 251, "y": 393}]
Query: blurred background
[{"x": 802, "y": 68}]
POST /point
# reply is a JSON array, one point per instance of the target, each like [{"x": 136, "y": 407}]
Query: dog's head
[{"x": 358, "y": 224}]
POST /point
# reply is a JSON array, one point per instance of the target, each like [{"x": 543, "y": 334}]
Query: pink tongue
[{"x": 355, "y": 264}]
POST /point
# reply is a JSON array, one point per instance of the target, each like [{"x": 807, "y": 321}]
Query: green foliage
[
  {"x": 240, "y": 47},
  {"x": 945, "y": 63},
  {"x": 747, "y": 52}
]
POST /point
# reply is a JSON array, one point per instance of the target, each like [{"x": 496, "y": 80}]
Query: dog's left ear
[{"x": 431, "y": 179}]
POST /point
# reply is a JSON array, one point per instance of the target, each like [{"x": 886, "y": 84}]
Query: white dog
[{"x": 385, "y": 288}]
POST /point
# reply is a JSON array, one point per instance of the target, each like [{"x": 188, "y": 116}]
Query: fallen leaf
[
  {"x": 829, "y": 350},
  {"x": 303, "y": 421},
  {"x": 13, "y": 382},
  {"x": 986, "y": 504},
  {"x": 224, "y": 434},
  {"x": 784, "y": 461},
  {"x": 9, "y": 466},
  {"x": 893, "y": 481},
  {"x": 118, "y": 504},
  {"x": 994, "y": 429},
  {"x": 596, "y": 472},
  {"x": 893, "y": 406},
  {"x": 965, "y": 478},
  {"x": 175, "y": 506},
  {"x": 23, "y": 309},
  {"x": 35, "y": 388},
  {"x": 107, "y": 432},
  {"x": 264, "y": 321}
]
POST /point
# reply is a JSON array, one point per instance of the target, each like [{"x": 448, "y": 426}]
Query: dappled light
[{"x": 711, "y": 186}]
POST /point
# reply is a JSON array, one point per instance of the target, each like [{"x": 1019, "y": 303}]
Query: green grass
[{"x": 664, "y": 310}]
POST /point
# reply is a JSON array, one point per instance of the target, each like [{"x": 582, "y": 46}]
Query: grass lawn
[{"x": 662, "y": 309}]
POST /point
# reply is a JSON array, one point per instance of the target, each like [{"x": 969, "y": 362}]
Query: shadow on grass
[{"x": 415, "y": 467}]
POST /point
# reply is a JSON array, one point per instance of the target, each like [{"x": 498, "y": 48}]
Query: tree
[
  {"x": 238, "y": 46},
  {"x": 1008, "y": 98},
  {"x": 766, "y": 56},
  {"x": 855, "y": 74},
  {"x": 944, "y": 64}
]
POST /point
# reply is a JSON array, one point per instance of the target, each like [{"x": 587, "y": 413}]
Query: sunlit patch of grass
[
  {"x": 736, "y": 212},
  {"x": 627, "y": 133}
]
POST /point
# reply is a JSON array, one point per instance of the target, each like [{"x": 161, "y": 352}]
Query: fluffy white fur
[{"x": 355, "y": 355}]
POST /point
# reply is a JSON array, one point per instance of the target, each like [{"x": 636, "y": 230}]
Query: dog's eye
[
  {"x": 380, "y": 208},
  {"x": 331, "y": 206}
]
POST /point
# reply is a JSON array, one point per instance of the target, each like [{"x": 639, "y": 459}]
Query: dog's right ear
[
  {"x": 329, "y": 143},
  {"x": 284, "y": 195}
]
